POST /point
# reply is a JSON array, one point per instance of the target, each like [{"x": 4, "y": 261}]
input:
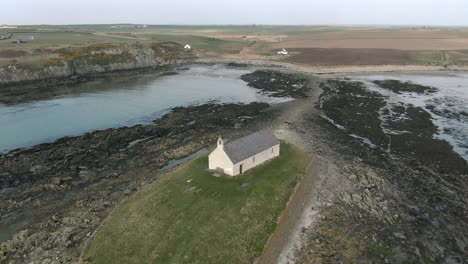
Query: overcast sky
[{"x": 423, "y": 12}]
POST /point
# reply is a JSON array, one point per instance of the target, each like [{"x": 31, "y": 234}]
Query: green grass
[
  {"x": 48, "y": 40},
  {"x": 3, "y": 33},
  {"x": 427, "y": 57},
  {"x": 435, "y": 57},
  {"x": 61, "y": 39},
  {"x": 207, "y": 220},
  {"x": 206, "y": 43}
]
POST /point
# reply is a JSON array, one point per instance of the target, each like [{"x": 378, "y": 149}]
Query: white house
[
  {"x": 238, "y": 156},
  {"x": 283, "y": 52},
  {"x": 8, "y": 26},
  {"x": 187, "y": 47}
]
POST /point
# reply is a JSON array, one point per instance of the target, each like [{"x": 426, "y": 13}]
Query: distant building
[
  {"x": 283, "y": 52},
  {"x": 8, "y": 26},
  {"x": 245, "y": 153},
  {"x": 187, "y": 47}
]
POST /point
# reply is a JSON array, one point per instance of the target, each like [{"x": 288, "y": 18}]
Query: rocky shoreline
[
  {"x": 377, "y": 203},
  {"x": 78, "y": 64},
  {"x": 56, "y": 194},
  {"x": 26, "y": 91},
  {"x": 399, "y": 87},
  {"x": 60, "y": 192},
  {"x": 407, "y": 130},
  {"x": 381, "y": 203}
]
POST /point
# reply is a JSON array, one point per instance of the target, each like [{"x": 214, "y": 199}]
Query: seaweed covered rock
[
  {"x": 400, "y": 87},
  {"x": 278, "y": 84},
  {"x": 402, "y": 129}
]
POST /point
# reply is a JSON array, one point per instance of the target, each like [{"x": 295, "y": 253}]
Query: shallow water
[
  {"x": 452, "y": 96},
  {"x": 110, "y": 103}
]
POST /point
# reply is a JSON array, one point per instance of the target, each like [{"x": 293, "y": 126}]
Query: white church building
[{"x": 236, "y": 157}]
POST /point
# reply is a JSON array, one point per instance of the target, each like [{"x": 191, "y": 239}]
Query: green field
[
  {"x": 56, "y": 39},
  {"x": 200, "y": 42},
  {"x": 191, "y": 216}
]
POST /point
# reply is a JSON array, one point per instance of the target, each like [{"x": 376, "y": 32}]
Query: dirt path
[
  {"x": 316, "y": 190},
  {"x": 302, "y": 212}
]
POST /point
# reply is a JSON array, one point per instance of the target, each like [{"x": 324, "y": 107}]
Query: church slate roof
[{"x": 248, "y": 146}]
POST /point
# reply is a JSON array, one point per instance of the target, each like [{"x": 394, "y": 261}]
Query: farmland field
[
  {"x": 380, "y": 39},
  {"x": 309, "y": 45},
  {"x": 341, "y": 56}
]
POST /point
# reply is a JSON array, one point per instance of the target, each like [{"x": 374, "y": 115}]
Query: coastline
[
  {"x": 329, "y": 70},
  {"x": 43, "y": 89},
  {"x": 356, "y": 185},
  {"x": 96, "y": 171},
  {"x": 288, "y": 66},
  {"x": 13, "y": 93}
]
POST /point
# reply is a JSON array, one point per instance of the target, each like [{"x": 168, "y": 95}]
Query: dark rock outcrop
[
  {"x": 70, "y": 64},
  {"x": 278, "y": 84}
]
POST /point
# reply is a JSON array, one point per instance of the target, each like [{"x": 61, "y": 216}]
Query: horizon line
[{"x": 228, "y": 24}]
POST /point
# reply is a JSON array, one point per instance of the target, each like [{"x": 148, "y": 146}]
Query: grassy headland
[{"x": 191, "y": 216}]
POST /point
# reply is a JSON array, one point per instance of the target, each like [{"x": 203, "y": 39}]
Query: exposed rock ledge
[{"x": 74, "y": 63}]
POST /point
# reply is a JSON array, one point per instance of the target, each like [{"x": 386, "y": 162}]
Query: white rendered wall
[
  {"x": 219, "y": 160},
  {"x": 259, "y": 159}
]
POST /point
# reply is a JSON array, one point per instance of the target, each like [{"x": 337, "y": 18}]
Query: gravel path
[{"x": 315, "y": 190}]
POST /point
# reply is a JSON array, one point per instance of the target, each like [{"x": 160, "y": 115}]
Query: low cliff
[{"x": 94, "y": 60}]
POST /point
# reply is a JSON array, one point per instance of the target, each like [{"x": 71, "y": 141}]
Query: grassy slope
[
  {"x": 218, "y": 222},
  {"x": 200, "y": 42}
]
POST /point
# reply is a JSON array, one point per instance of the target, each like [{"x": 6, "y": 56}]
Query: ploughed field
[
  {"x": 400, "y": 39},
  {"x": 367, "y": 56},
  {"x": 192, "y": 215},
  {"x": 378, "y": 47}
]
